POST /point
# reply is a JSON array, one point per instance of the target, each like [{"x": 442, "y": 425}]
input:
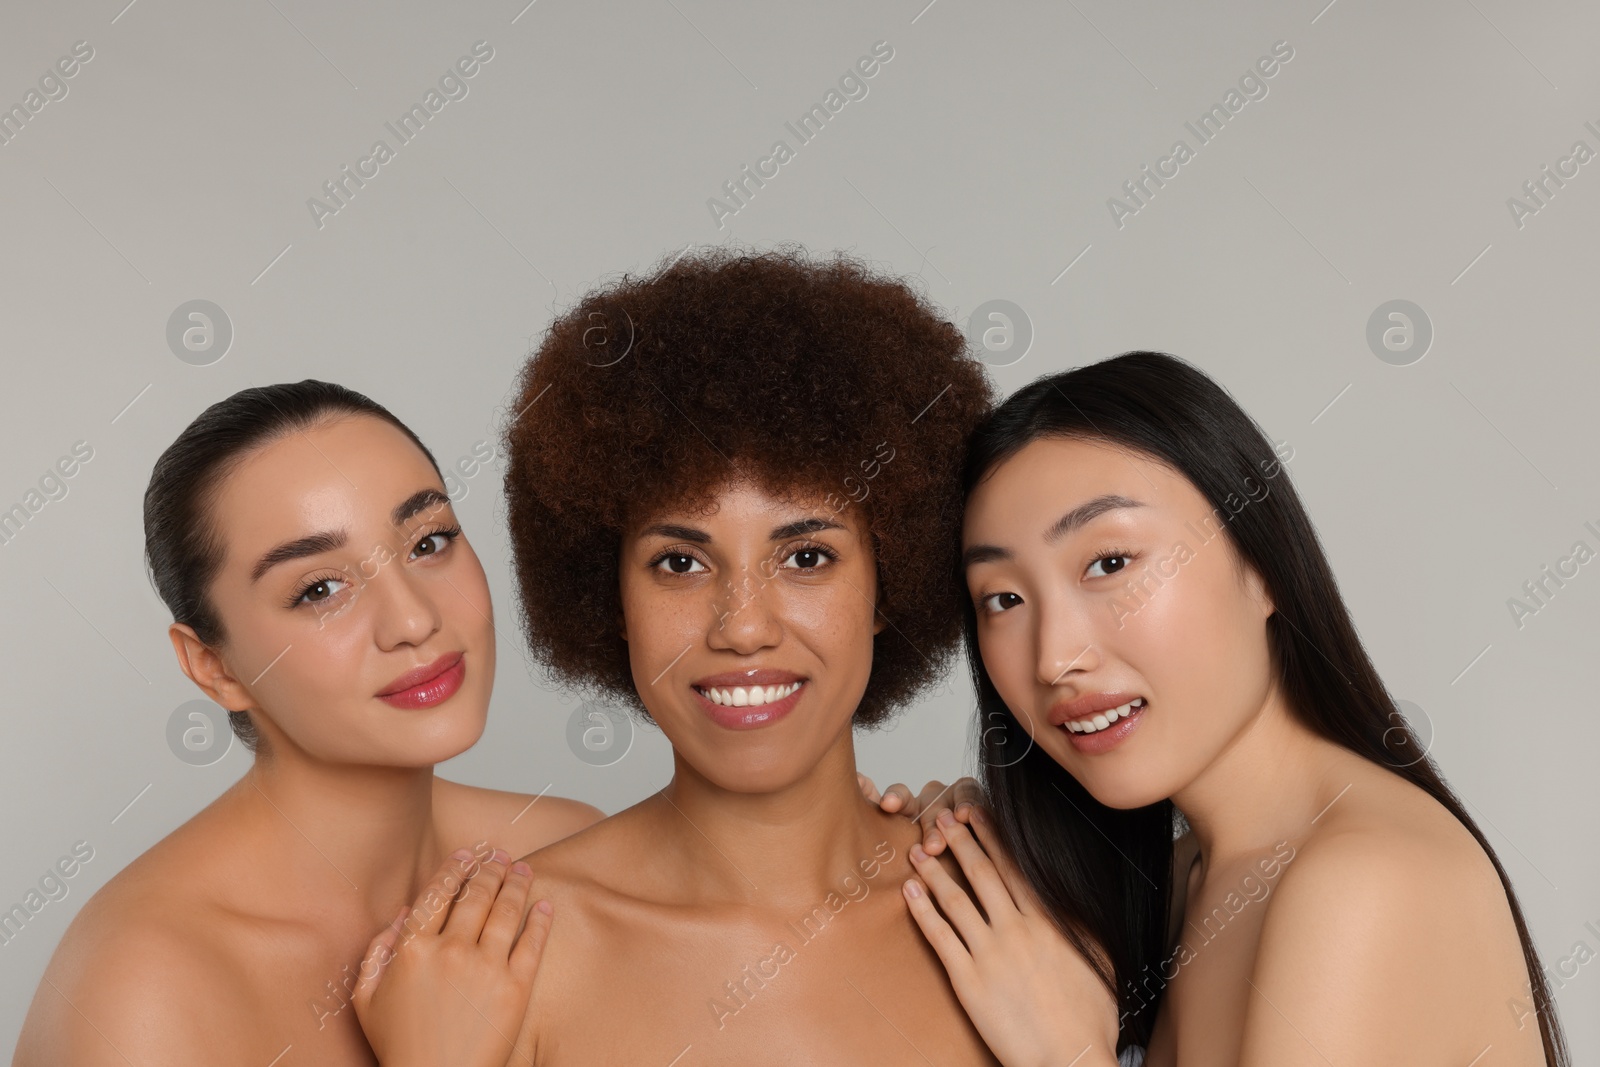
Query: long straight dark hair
[{"x": 1106, "y": 874}]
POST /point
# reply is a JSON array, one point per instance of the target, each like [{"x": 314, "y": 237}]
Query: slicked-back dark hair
[
  {"x": 1161, "y": 406},
  {"x": 183, "y": 551}
]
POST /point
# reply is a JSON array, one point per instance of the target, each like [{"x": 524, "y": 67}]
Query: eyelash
[
  {"x": 297, "y": 598},
  {"x": 1099, "y": 556},
  {"x": 1113, "y": 553},
  {"x": 789, "y": 550}
]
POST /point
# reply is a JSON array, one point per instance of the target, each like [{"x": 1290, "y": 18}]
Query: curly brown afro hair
[{"x": 800, "y": 374}]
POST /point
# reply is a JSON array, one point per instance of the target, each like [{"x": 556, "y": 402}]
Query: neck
[
  {"x": 787, "y": 848},
  {"x": 1272, "y": 783},
  {"x": 360, "y": 836}
]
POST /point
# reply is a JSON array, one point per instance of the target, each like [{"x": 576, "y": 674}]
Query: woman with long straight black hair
[{"x": 1154, "y": 628}]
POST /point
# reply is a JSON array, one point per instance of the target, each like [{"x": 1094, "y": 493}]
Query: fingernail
[
  {"x": 979, "y": 817},
  {"x": 917, "y": 855},
  {"x": 461, "y": 854},
  {"x": 521, "y": 868},
  {"x": 913, "y": 889},
  {"x": 544, "y": 906},
  {"x": 946, "y": 819},
  {"x": 964, "y": 808},
  {"x": 502, "y": 856}
]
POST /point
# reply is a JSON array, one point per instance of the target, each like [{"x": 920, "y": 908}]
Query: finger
[
  {"x": 898, "y": 799},
  {"x": 935, "y": 796},
  {"x": 967, "y": 794},
  {"x": 934, "y": 799},
  {"x": 1017, "y": 884},
  {"x": 951, "y": 898},
  {"x": 993, "y": 893},
  {"x": 380, "y": 951},
  {"x": 467, "y": 917},
  {"x": 432, "y": 906},
  {"x": 868, "y": 790},
  {"x": 952, "y": 953},
  {"x": 506, "y": 913},
  {"x": 529, "y": 949}
]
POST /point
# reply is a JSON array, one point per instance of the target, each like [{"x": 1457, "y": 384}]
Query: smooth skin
[
  {"x": 1332, "y": 911},
  {"x": 761, "y": 864},
  {"x": 239, "y": 935}
]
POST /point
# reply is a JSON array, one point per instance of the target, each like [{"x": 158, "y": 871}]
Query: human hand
[
  {"x": 448, "y": 981},
  {"x": 960, "y": 799},
  {"x": 1033, "y": 997}
]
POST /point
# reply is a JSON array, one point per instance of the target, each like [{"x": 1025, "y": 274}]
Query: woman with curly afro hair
[{"x": 734, "y": 500}]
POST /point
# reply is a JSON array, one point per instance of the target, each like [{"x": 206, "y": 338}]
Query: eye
[
  {"x": 677, "y": 563},
  {"x": 1119, "y": 558},
  {"x": 436, "y": 542},
  {"x": 995, "y": 603},
  {"x": 317, "y": 590},
  {"x": 809, "y": 557}
]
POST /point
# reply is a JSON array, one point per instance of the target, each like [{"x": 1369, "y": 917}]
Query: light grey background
[{"x": 1378, "y": 167}]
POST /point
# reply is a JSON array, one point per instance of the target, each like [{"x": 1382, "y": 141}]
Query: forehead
[
  {"x": 347, "y": 473},
  {"x": 1049, "y": 475},
  {"x": 744, "y": 499}
]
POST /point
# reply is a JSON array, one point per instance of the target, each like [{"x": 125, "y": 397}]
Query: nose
[
  {"x": 1063, "y": 643},
  {"x": 404, "y": 609},
  {"x": 744, "y": 618}
]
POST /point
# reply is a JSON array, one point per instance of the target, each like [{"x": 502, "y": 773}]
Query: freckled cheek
[{"x": 655, "y": 622}]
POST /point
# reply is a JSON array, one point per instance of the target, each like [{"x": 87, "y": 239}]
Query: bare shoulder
[
  {"x": 1386, "y": 847},
  {"x": 594, "y": 855},
  {"x": 516, "y": 822},
  {"x": 135, "y": 979},
  {"x": 1362, "y": 951}
]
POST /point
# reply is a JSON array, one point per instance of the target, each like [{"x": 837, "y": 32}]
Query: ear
[
  {"x": 1257, "y": 590},
  {"x": 205, "y": 668},
  {"x": 622, "y": 625},
  {"x": 878, "y": 622}
]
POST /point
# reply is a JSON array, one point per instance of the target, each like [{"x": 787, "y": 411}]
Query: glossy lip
[
  {"x": 1088, "y": 706},
  {"x": 748, "y": 718},
  {"x": 428, "y": 684}
]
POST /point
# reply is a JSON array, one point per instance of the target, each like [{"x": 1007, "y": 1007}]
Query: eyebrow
[
  {"x": 1072, "y": 520},
  {"x": 329, "y": 540},
  {"x": 779, "y": 533}
]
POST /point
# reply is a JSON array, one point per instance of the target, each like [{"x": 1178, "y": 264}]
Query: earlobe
[
  {"x": 204, "y": 667},
  {"x": 1258, "y": 593}
]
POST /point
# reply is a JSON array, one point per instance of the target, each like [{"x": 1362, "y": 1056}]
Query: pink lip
[
  {"x": 428, "y": 685},
  {"x": 748, "y": 718}
]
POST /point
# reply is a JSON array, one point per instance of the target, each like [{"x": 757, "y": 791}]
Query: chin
[
  {"x": 749, "y": 772},
  {"x": 442, "y": 738}
]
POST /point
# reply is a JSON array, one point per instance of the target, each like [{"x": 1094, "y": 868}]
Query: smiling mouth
[
  {"x": 1104, "y": 719},
  {"x": 748, "y": 696}
]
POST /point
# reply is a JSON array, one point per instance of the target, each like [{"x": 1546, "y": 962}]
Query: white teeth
[
  {"x": 749, "y": 696},
  {"x": 1105, "y": 718}
]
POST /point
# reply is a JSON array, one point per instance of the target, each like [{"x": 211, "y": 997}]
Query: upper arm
[
  {"x": 1346, "y": 970},
  {"x": 139, "y": 997}
]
